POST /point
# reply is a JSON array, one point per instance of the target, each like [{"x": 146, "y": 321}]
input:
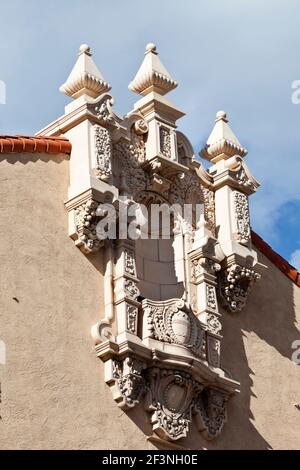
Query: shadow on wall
[
  {"x": 25, "y": 158},
  {"x": 270, "y": 316}
]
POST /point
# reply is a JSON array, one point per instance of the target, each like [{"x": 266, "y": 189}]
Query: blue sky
[{"x": 226, "y": 54}]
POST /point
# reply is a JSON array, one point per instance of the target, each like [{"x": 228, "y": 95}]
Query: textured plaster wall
[
  {"x": 53, "y": 394},
  {"x": 257, "y": 350}
]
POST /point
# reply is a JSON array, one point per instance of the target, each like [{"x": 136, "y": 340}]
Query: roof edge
[
  {"x": 280, "y": 262},
  {"x": 34, "y": 144}
]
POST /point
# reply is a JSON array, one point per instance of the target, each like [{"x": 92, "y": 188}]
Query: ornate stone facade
[{"x": 165, "y": 353}]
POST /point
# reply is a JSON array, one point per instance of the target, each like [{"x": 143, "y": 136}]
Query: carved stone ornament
[
  {"x": 103, "y": 149},
  {"x": 165, "y": 142},
  {"x": 86, "y": 222},
  {"x": 129, "y": 380},
  {"x": 235, "y": 284},
  {"x": 164, "y": 355},
  {"x": 242, "y": 217},
  {"x": 172, "y": 322},
  {"x": 131, "y": 289}
]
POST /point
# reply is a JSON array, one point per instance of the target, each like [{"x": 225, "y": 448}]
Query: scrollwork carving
[
  {"x": 165, "y": 142},
  {"x": 131, "y": 289},
  {"x": 172, "y": 322},
  {"x": 235, "y": 284},
  {"x": 130, "y": 381},
  {"x": 211, "y": 406},
  {"x": 213, "y": 351},
  {"x": 241, "y": 208},
  {"x": 103, "y": 153},
  {"x": 86, "y": 222},
  {"x": 132, "y": 316},
  {"x": 130, "y": 267}
]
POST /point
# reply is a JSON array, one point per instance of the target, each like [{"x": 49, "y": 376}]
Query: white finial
[
  {"x": 85, "y": 49},
  {"x": 221, "y": 115},
  {"x": 151, "y": 47},
  {"x": 222, "y": 144},
  {"x": 85, "y": 78},
  {"x": 152, "y": 75}
]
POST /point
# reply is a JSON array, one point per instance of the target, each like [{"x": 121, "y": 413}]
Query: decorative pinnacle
[
  {"x": 85, "y": 78},
  {"x": 85, "y": 49},
  {"x": 152, "y": 75},
  {"x": 222, "y": 144},
  {"x": 221, "y": 116},
  {"x": 151, "y": 47}
]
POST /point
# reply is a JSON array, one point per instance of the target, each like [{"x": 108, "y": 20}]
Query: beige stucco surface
[{"x": 53, "y": 393}]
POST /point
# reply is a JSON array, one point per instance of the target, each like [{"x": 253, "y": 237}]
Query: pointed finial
[
  {"x": 152, "y": 75},
  {"x": 221, "y": 116},
  {"x": 85, "y": 78},
  {"x": 222, "y": 143},
  {"x": 85, "y": 49},
  {"x": 151, "y": 47}
]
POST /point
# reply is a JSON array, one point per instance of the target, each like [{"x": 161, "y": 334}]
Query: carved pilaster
[
  {"x": 103, "y": 150},
  {"x": 126, "y": 288},
  {"x": 242, "y": 218}
]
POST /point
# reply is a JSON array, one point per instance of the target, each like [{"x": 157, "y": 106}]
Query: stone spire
[
  {"x": 152, "y": 75},
  {"x": 85, "y": 78},
  {"x": 222, "y": 143}
]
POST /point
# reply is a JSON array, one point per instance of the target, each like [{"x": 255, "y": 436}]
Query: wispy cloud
[
  {"x": 237, "y": 56},
  {"x": 295, "y": 259}
]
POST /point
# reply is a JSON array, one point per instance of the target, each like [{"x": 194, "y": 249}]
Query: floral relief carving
[
  {"x": 86, "y": 222},
  {"x": 130, "y": 267},
  {"x": 200, "y": 265},
  {"x": 131, "y": 289},
  {"x": 211, "y": 297},
  {"x": 172, "y": 322},
  {"x": 130, "y": 381},
  {"x": 213, "y": 351},
  {"x": 103, "y": 153},
  {"x": 235, "y": 284},
  {"x": 213, "y": 323},
  {"x": 130, "y": 156},
  {"x": 165, "y": 142},
  {"x": 242, "y": 217},
  {"x": 132, "y": 316},
  {"x": 211, "y": 405}
]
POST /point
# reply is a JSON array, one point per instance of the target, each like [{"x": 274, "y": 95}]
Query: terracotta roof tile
[
  {"x": 34, "y": 144},
  {"x": 276, "y": 259}
]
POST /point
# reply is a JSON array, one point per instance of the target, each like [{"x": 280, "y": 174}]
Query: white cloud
[{"x": 295, "y": 259}]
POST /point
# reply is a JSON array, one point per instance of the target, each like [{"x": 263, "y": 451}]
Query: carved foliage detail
[
  {"x": 132, "y": 316},
  {"x": 175, "y": 397},
  {"x": 131, "y": 383},
  {"x": 211, "y": 405},
  {"x": 103, "y": 153},
  {"x": 130, "y": 263},
  {"x": 235, "y": 285},
  {"x": 86, "y": 222},
  {"x": 131, "y": 289},
  {"x": 165, "y": 142},
  {"x": 213, "y": 351},
  {"x": 171, "y": 394},
  {"x": 211, "y": 297},
  {"x": 172, "y": 322},
  {"x": 241, "y": 209}
]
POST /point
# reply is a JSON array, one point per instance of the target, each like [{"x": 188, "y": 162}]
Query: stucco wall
[{"x": 53, "y": 394}]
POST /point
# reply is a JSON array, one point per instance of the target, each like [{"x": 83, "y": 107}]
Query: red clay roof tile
[
  {"x": 32, "y": 144},
  {"x": 276, "y": 259}
]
